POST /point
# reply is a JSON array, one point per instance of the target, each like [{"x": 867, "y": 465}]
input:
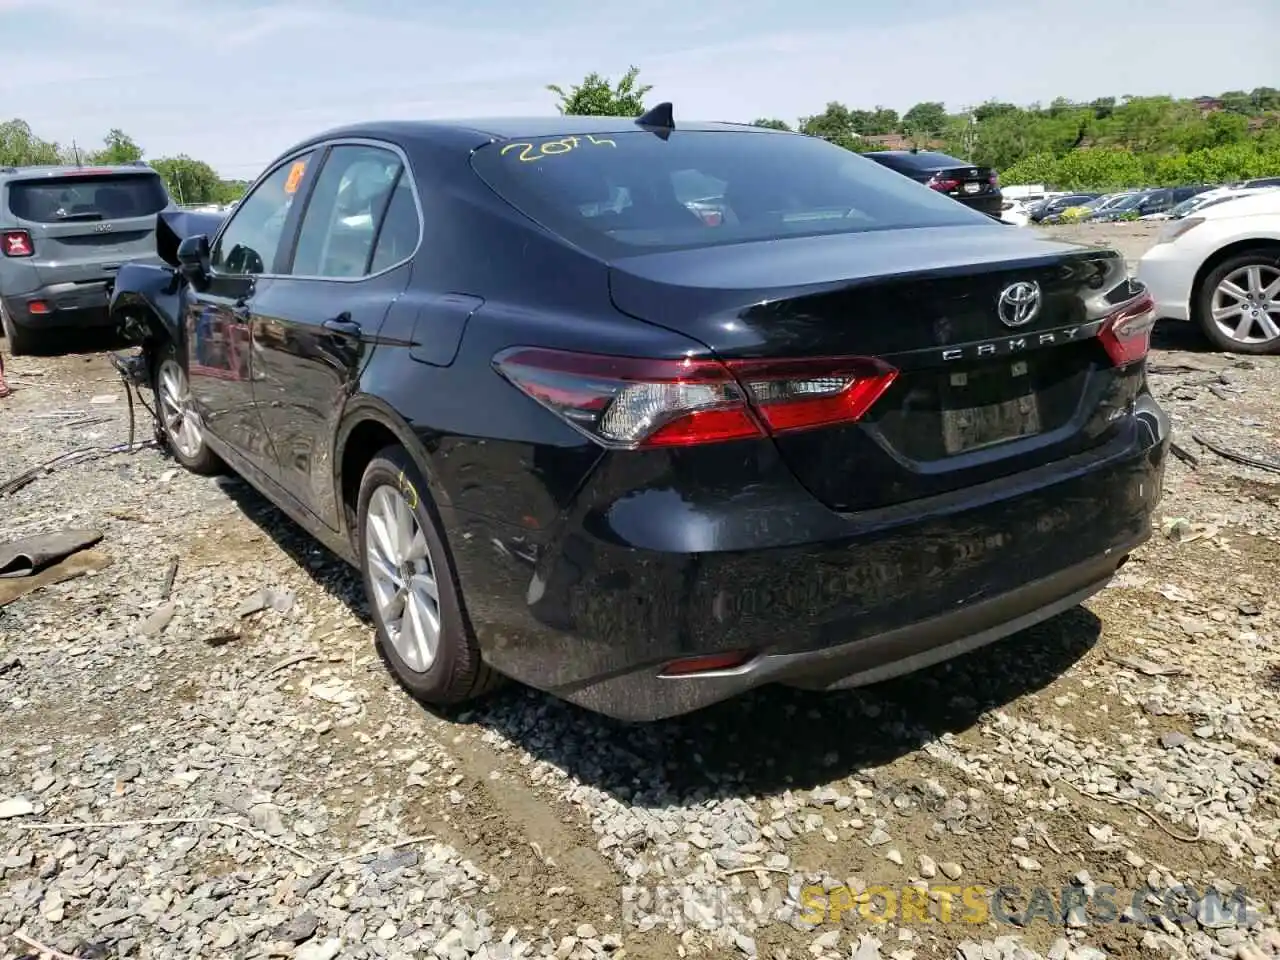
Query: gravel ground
[{"x": 240, "y": 777}]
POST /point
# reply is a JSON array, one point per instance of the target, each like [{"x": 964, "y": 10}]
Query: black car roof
[{"x": 510, "y": 128}]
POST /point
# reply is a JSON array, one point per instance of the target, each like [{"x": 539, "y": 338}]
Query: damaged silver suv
[{"x": 64, "y": 232}]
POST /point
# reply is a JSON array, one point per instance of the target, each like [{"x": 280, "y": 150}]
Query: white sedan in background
[{"x": 1220, "y": 267}]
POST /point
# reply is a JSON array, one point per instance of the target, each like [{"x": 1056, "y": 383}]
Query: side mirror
[{"x": 193, "y": 259}]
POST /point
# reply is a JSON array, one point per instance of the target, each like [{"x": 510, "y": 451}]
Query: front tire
[
  {"x": 412, "y": 590},
  {"x": 180, "y": 424},
  {"x": 1238, "y": 303}
]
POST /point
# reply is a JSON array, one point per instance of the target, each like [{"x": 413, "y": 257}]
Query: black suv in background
[
  {"x": 64, "y": 232},
  {"x": 1047, "y": 208},
  {"x": 1147, "y": 202},
  {"x": 975, "y": 187}
]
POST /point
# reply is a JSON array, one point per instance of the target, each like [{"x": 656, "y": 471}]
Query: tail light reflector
[
  {"x": 629, "y": 402},
  {"x": 943, "y": 183},
  {"x": 708, "y": 663},
  {"x": 1126, "y": 335},
  {"x": 17, "y": 243}
]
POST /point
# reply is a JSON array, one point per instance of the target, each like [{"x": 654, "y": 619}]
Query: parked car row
[{"x": 1036, "y": 205}]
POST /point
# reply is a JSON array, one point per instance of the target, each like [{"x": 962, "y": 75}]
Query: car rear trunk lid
[
  {"x": 975, "y": 398},
  {"x": 963, "y": 181}
]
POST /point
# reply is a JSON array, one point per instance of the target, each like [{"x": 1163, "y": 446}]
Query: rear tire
[
  {"x": 180, "y": 424},
  {"x": 21, "y": 340},
  {"x": 1242, "y": 325},
  {"x": 412, "y": 589}
]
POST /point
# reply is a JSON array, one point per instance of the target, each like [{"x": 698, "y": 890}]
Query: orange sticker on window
[{"x": 295, "y": 176}]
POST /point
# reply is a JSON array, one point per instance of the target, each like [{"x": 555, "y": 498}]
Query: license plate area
[
  {"x": 980, "y": 411},
  {"x": 972, "y": 187}
]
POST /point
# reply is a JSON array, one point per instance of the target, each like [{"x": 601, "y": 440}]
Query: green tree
[
  {"x": 190, "y": 181},
  {"x": 595, "y": 97},
  {"x": 118, "y": 148},
  {"x": 19, "y": 147},
  {"x": 771, "y": 123},
  {"x": 925, "y": 119},
  {"x": 836, "y": 124}
]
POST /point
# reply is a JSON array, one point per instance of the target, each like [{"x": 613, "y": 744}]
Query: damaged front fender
[{"x": 148, "y": 299}]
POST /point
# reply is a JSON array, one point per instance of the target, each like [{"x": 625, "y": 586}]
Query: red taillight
[
  {"x": 709, "y": 663},
  {"x": 801, "y": 394},
  {"x": 37, "y": 307},
  {"x": 994, "y": 180},
  {"x": 943, "y": 183},
  {"x": 17, "y": 243},
  {"x": 1126, "y": 335},
  {"x": 630, "y": 402}
]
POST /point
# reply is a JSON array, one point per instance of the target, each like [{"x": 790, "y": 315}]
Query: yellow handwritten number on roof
[{"x": 531, "y": 152}]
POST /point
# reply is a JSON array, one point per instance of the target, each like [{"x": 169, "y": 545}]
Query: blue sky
[{"x": 235, "y": 82}]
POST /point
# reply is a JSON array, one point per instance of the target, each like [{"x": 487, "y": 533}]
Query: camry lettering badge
[{"x": 1019, "y": 303}]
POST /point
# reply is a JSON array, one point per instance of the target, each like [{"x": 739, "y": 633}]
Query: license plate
[
  {"x": 972, "y": 187},
  {"x": 972, "y": 428}
]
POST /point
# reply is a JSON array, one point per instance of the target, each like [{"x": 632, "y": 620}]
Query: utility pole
[
  {"x": 970, "y": 131},
  {"x": 75, "y": 151}
]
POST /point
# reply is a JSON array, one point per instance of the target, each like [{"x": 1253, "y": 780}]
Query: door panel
[
  {"x": 221, "y": 358},
  {"x": 220, "y": 365},
  {"x": 313, "y": 338},
  {"x": 316, "y": 328}
]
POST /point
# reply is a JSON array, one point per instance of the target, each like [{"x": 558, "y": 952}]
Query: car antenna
[{"x": 660, "y": 120}]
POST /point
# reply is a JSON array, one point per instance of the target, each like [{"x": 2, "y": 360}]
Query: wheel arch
[
  {"x": 1220, "y": 256},
  {"x": 367, "y": 426}
]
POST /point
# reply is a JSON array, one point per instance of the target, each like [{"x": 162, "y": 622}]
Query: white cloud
[{"x": 235, "y": 84}]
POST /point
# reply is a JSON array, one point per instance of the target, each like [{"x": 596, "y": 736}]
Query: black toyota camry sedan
[{"x": 649, "y": 413}]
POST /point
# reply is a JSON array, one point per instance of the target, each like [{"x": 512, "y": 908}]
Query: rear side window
[
  {"x": 398, "y": 235},
  {"x": 101, "y": 196},
  {"x": 634, "y": 192},
  {"x": 342, "y": 217}
]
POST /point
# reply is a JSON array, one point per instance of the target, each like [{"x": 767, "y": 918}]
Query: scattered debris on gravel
[{"x": 201, "y": 754}]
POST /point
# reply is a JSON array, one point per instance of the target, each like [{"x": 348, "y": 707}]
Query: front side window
[
  {"x": 634, "y": 192},
  {"x": 252, "y": 237},
  {"x": 341, "y": 222}
]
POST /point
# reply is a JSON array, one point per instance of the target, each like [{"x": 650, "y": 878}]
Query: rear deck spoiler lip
[{"x": 174, "y": 226}]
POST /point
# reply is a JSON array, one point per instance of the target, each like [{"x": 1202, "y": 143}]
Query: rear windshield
[
  {"x": 87, "y": 197},
  {"x": 634, "y": 192},
  {"x": 924, "y": 160}
]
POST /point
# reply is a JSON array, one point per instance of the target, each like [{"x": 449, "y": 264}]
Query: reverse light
[
  {"x": 16, "y": 243},
  {"x": 1126, "y": 334},
  {"x": 630, "y": 402}
]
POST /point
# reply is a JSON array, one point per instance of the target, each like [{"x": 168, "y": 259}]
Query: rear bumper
[
  {"x": 992, "y": 204},
  {"x": 1168, "y": 276},
  {"x": 61, "y": 305},
  {"x": 817, "y": 600}
]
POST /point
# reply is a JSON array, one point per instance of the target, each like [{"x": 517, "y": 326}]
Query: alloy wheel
[
  {"x": 182, "y": 424},
  {"x": 403, "y": 579},
  {"x": 1246, "y": 304}
]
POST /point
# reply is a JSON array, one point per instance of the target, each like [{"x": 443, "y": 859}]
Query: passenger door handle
[{"x": 343, "y": 326}]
